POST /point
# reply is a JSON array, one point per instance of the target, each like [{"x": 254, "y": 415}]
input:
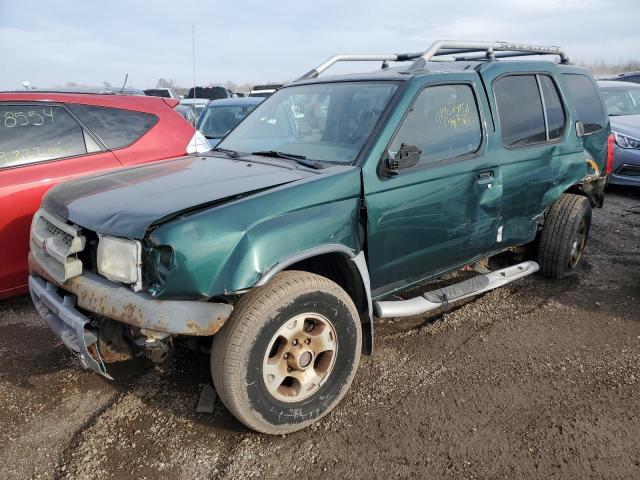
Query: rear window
[
  {"x": 157, "y": 93},
  {"x": 116, "y": 128},
  {"x": 586, "y": 101},
  {"x": 211, "y": 93},
  {"x": 31, "y": 133},
  {"x": 520, "y": 110}
]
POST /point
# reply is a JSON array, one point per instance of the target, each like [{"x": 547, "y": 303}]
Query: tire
[
  {"x": 564, "y": 236},
  {"x": 260, "y": 337}
]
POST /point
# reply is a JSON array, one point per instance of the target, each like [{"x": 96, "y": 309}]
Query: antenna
[
  {"x": 126, "y": 77},
  {"x": 193, "y": 45}
]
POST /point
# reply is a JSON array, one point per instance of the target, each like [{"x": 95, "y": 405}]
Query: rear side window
[
  {"x": 553, "y": 106},
  {"x": 585, "y": 99},
  {"x": 529, "y": 109},
  {"x": 116, "y": 128},
  {"x": 520, "y": 110},
  {"x": 443, "y": 123},
  {"x": 35, "y": 133}
]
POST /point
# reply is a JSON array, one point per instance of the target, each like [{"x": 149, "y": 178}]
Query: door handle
[{"x": 485, "y": 178}]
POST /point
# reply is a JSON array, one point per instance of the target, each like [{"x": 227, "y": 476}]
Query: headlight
[
  {"x": 198, "y": 144},
  {"x": 120, "y": 260},
  {"x": 624, "y": 141}
]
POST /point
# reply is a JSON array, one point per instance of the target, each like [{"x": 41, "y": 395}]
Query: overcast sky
[{"x": 53, "y": 42}]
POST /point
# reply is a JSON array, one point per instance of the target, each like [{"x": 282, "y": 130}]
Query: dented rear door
[{"x": 539, "y": 154}]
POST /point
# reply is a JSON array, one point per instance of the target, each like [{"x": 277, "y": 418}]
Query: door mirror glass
[
  {"x": 579, "y": 129},
  {"x": 406, "y": 157}
]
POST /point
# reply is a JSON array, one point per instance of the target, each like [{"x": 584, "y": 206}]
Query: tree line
[{"x": 596, "y": 67}]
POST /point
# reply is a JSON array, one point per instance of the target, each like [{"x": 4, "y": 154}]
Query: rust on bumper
[{"x": 107, "y": 299}]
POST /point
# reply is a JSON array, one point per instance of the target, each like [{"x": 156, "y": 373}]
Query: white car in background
[{"x": 197, "y": 104}]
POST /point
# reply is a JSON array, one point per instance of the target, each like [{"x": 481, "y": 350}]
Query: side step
[{"x": 467, "y": 288}]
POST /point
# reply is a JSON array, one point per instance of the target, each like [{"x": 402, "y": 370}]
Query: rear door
[
  {"x": 41, "y": 144},
  {"x": 540, "y": 155},
  {"x": 443, "y": 212}
]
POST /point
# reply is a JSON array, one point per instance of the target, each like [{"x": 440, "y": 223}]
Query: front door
[{"x": 444, "y": 211}]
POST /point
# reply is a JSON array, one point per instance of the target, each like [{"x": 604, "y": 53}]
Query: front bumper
[
  {"x": 626, "y": 167},
  {"x": 67, "y": 323},
  {"x": 94, "y": 294},
  {"x": 628, "y": 175}
]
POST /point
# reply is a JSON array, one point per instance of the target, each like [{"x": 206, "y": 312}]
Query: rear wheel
[
  {"x": 564, "y": 236},
  {"x": 288, "y": 353}
]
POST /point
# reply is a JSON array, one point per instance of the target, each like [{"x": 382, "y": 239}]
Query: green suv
[{"x": 334, "y": 196}]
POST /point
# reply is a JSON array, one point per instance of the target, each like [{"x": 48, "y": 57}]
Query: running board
[{"x": 467, "y": 288}]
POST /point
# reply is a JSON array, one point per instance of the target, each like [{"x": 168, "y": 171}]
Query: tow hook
[{"x": 155, "y": 345}]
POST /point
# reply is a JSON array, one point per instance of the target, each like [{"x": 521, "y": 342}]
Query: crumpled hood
[
  {"x": 125, "y": 203},
  {"x": 626, "y": 124}
]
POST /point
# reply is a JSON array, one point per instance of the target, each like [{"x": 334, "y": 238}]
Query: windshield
[
  {"x": 622, "y": 101},
  {"x": 329, "y": 122},
  {"x": 215, "y": 122}
]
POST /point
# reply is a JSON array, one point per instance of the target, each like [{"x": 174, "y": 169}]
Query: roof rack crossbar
[
  {"x": 444, "y": 50},
  {"x": 445, "y": 47},
  {"x": 471, "y": 58}
]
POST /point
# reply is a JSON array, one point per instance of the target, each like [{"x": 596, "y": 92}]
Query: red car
[{"x": 46, "y": 138}]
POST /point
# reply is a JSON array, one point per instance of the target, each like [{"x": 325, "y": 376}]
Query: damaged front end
[
  {"x": 100, "y": 320},
  {"x": 96, "y": 341}
]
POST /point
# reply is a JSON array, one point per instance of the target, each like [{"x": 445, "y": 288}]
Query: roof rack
[{"x": 446, "y": 51}]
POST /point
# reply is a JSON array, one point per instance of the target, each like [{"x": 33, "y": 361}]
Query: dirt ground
[{"x": 539, "y": 379}]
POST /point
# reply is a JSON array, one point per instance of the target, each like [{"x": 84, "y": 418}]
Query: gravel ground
[{"x": 539, "y": 379}]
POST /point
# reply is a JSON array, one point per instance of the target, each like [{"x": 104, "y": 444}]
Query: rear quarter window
[
  {"x": 582, "y": 93},
  {"x": 115, "y": 127},
  {"x": 35, "y": 133}
]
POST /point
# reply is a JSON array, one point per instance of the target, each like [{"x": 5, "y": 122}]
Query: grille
[
  {"x": 55, "y": 244},
  {"x": 630, "y": 171},
  {"x": 53, "y": 230}
]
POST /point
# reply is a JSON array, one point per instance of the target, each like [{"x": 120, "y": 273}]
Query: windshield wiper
[
  {"x": 301, "y": 159},
  {"x": 227, "y": 152}
]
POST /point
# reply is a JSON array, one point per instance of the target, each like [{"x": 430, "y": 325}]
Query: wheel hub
[
  {"x": 577, "y": 247},
  {"x": 304, "y": 359},
  {"x": 300, "y": 357}
]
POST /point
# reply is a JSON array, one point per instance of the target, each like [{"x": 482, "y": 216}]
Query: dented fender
[{"x": 227, "y": 249}]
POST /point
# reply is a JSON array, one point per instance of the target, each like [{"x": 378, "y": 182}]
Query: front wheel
[{"x": 288, "y": 353}]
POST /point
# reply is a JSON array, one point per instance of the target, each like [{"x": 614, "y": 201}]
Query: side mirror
[
  {"x": 406, "y": 157},
  {"x": 579, "y": 129}
]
